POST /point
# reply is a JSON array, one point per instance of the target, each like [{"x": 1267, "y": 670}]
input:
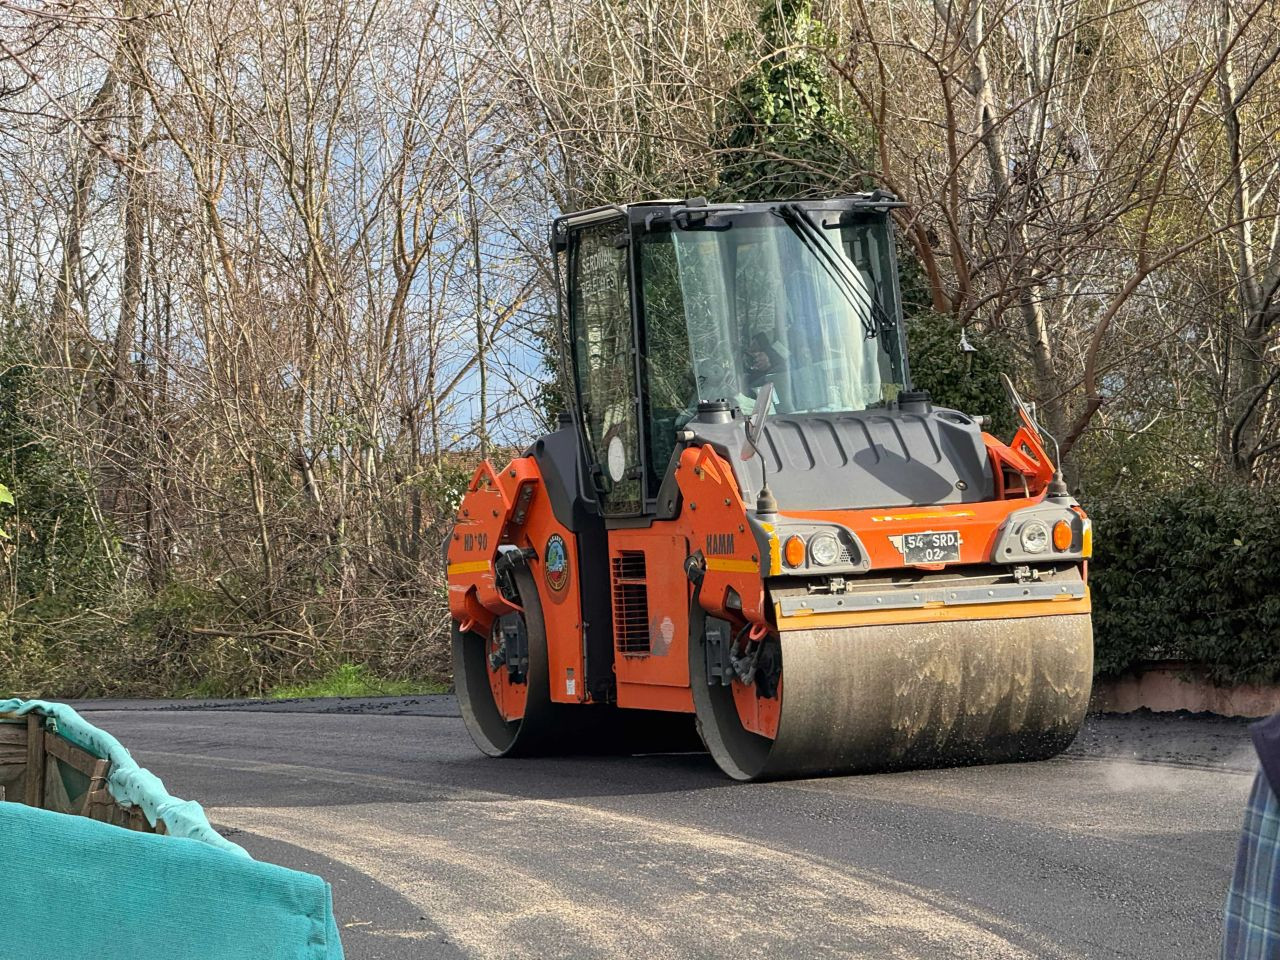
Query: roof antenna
[{"x": 765, "y": 503}]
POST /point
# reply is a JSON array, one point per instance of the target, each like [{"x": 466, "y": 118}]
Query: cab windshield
[{"x": 733, "y": 301}]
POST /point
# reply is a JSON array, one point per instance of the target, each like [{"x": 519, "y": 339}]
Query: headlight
[
  {"x": 824, "y": 549},
  {"x": 1034, "y": 536},
  {"x": 814, "y": 550}
]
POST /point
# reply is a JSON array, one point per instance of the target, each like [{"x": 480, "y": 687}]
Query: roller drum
[
  {"x": 877, "y": 698},
  {"x": 547, "y": 727}
]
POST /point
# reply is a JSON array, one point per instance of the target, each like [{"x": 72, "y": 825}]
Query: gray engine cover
[{"x": 869, "y": 458}]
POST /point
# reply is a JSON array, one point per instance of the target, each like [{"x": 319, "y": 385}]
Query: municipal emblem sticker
[{"x": 555, "y": 563}]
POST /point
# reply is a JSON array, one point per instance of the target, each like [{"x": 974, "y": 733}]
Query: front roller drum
[{"x": 900, "y": 696}]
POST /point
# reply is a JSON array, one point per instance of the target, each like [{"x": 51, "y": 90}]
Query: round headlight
[
  {"x": 824, "y": 549},
  {"x": 1034, "y": 537}
]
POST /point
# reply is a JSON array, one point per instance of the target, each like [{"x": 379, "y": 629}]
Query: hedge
[{"x": 1191, "y": 575}]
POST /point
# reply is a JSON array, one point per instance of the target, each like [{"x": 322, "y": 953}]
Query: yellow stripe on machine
[
  {"x": 931, "y": 515},
  {"x": 468, "y": 566},
  {"x": 775, "y": 550},
  {"x": 722, "y": 565},
  {"x": 935, "y": 613}
]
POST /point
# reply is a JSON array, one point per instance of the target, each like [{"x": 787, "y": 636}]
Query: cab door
[{"x": 603, "y": 343}]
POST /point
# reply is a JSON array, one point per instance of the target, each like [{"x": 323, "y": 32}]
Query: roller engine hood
[{"x": 885, "y": 457}]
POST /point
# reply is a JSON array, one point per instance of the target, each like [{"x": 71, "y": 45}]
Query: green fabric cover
[{"x": 77, "y": 888}]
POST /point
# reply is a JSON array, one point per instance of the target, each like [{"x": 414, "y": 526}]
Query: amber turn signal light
[
  {"x": 1062, "y": 535},
  {"x": 793, "y": 551}
]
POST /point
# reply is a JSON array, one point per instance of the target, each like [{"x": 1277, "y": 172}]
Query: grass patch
[{"x": 355, "y": 680}]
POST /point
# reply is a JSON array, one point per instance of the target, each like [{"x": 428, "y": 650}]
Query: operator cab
[{"x": 674, "y": 304}]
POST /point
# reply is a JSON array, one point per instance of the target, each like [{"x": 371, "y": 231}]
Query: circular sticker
[
  {"x": 555, "y": 563},
  {"x": 617, "y": 459}
]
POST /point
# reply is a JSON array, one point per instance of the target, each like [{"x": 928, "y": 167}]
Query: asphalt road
[{"x": 1122, "y": 848}]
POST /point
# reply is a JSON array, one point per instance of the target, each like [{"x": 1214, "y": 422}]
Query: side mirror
[
  {"x": 1027, "y": 414},
  {"x": 755, "y": 425},
  {"x": 1019, "y": 405}
]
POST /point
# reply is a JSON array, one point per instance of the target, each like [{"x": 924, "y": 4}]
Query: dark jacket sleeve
[{"x": 1266, "y": 740}]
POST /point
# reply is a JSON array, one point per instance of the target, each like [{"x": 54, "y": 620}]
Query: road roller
[{"x": 750, "y": 521}]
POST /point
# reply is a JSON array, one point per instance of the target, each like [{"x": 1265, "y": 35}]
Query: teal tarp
[
  {"x": 129, "y": 783},
  {"x": 75, "y": 888}
]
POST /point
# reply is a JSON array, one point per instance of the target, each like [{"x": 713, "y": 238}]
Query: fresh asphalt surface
[{"x": 1121, "y": 848}]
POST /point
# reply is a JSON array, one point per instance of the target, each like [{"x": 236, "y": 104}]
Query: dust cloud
[
  {"x": 1133, "y": 776},
  {"x": 1121, "y": 776}
]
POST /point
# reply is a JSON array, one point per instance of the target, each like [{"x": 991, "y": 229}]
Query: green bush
[
  {"x": 968, "y": 381},
  {"x": 1192, "y": 575},
  {"x": 55, "y": 550}
]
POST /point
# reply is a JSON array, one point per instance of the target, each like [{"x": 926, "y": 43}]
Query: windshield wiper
[{"x": 875, "y": 320}]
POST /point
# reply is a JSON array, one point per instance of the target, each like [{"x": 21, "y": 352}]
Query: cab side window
[
  {"x": 604, "y": 357},
  {"x": 671, "y": 393}
]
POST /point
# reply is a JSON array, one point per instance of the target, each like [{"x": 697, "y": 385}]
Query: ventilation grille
[{"x": 630, "y": 604}]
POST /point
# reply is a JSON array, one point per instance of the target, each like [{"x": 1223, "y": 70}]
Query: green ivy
[
  {"x": 554, "y": 390},
  {"x": 1189, "y": 575},
  {"x": 59, "y": 544},
  {"x": 784, "y": 134},
  {"x": 965, "y": 380}
]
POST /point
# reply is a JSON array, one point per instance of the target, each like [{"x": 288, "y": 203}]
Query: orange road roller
[{"x": 749, "y": 517}]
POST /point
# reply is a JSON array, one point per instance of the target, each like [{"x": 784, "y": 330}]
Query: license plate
[{"x": 940, "y": 546}]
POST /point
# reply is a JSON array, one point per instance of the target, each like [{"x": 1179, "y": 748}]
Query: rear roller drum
[
  {"x": 501, "y": 681},
  {"x": 503, "y": 693},
  {"x": 867, "y": 699}
]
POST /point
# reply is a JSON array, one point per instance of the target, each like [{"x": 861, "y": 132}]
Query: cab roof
[{"x": 873, "y": 200}]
